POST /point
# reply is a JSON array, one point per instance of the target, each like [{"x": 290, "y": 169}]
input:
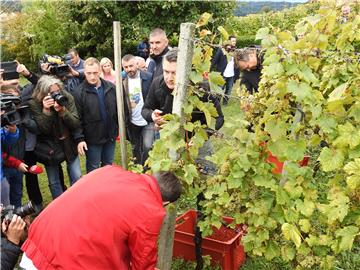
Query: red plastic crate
[{"x": 230, "y": 255}]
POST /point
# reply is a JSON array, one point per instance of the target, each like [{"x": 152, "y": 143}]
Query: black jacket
[
  {"x": 219, "y": 63},
  {"x": 159, "y": 97},
  {"x": 158, "y": 63},
  {"x": 93, "y": 129},
  {"x": 252, "y": 78},
  {"x": 146, "y": 78},
  {"x": 9, "y": 254},
  {"x": 208, "y": 97}
]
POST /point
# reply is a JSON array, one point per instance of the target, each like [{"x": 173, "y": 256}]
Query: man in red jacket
[{"x": 110, "y": 219}]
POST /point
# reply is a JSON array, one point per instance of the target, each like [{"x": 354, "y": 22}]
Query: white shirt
[
  {"x": 229, "y": 70},
  {"x": 136, "y": 101}
]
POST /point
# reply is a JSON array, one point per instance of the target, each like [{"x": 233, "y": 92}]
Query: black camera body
[
  {"x": 10, "y": 72},
  {"x": 9, "y": 104},
  {"x": 58, "y": 66},
  {"x": 60, "y": 99},
  {"x": 9, "y": 211}
]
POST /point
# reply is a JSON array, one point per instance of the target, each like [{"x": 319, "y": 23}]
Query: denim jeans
[
  {"x": 228, "y": 86},
  {"x": 99, "y": 155},
  {"x": 32, "y": 181},
  {"x": 74, "y": 171},
  {"x": 15, "y": 179},
  {"x": 5, "y": 192},
  {"x": 149, "y": 136}
]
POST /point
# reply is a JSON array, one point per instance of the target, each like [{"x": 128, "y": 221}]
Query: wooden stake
[
  {"x": 183, "y": 69},
  {"x": 119, "y": 93}
]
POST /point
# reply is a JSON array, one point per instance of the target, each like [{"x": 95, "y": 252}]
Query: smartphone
[{"x": 9, "y": 70}]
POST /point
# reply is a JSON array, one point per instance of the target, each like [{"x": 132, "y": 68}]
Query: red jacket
[
  {"x": 10, "y": 161},
  {"x": 107, "y": 220}
]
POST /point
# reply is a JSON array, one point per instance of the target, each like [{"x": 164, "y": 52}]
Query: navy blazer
[{"x": 219, "y": 61}]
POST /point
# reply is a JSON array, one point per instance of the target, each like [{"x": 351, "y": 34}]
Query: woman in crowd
[
  {"x": 55, "y": 113},
  {"x": 107, "y": 70}
]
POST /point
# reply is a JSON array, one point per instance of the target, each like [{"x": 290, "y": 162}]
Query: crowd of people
[{"x": 70, "y": 110}]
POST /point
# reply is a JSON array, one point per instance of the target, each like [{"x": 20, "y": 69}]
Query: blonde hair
[
  {"x": 42, "y": 88},
  {"x": 103, "y": 62},
  {"x": 91, "y": 61}
]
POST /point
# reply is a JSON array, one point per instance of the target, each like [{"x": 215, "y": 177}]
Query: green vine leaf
[
  {"x": 331, "y": 160},
  {"x": 347, "y": 236},
  {"x": 291, "y": 233}
]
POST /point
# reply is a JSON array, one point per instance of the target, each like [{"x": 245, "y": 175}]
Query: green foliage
[
  {"x": 245, "y": 28},
  {"x": 94, "y": 21},
  {"x": 41, "y": 27},
  {"x": 304, "y": 218}
]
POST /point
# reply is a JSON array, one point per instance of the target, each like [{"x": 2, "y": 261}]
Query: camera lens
[{"x": 25, "y": 210}]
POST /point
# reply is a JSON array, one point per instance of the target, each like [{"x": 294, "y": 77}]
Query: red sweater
[
  {"x": 10, "y": 161},
  {"x": 110, "y": 219}
]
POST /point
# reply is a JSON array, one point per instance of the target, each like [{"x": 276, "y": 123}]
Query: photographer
[
  {"x": 64, "y": 72},
  {"x": 11, "y": 236},
  {"x": 9, "y": 135},
  {"x": 56, "y": 116}
]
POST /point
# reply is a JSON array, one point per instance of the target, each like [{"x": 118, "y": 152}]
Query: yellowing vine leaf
[
  {"x": 331, "y": 159},
  {"x": 291, "y": 233}
]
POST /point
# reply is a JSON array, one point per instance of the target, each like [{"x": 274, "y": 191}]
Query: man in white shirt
[{"x": 136, "y": 87}]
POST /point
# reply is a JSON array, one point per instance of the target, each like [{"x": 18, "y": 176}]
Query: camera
[
  {"x": 59, "y": 98},
  {"x": 9, "y": 104},
  {"x": 9, "y": 211},
  {"x": 58, "y": 66},
  {"x": 10, "y": 72}
]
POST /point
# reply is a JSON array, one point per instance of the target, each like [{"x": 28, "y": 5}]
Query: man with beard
[
  {"x": 96, "y": 104},
  {"x": 136, "y": 87}
]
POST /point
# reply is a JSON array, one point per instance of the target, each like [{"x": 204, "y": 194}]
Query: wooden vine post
[
  {"x": 119, "y": 93},
  {"x": 183, "y": 69}
]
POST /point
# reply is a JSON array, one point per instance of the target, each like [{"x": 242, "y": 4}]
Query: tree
[
  {"x": 40, "y": 28},
  {"x": 94, "y": 20}
]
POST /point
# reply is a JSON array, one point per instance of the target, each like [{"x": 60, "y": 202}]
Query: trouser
[
  {"x": 5, "y": 192},
  {"x": 52, "y": 172},
  {"x": 136, "y": 139},
  {"x": 15, "y": 179},
  {"x": 228, "y": 86},
  {"x": 99, "y": 155},
  {"x": 149, "y": 136},
  {"x": 31, "y": 180}
]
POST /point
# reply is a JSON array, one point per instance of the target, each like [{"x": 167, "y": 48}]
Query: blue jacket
[{"x": 7, "y": 138}]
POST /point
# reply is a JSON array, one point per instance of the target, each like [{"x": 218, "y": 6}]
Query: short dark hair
[
  {"x": 72, "y": 50},
  {"x": 170, "y": 186},
  {"x": 244, "y": 54},
  {"x": 171, "y": 55},
  {"x": 127, "y": 57},
  {"x": 230, "y": 37}
]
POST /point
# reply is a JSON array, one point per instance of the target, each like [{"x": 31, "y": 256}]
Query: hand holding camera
[{"x": 15, "y": 230}]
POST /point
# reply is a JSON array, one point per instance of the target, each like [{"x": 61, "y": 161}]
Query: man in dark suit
[
  {"x": 223, "y": 62},
  {"x": 136, "y": 87}
]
